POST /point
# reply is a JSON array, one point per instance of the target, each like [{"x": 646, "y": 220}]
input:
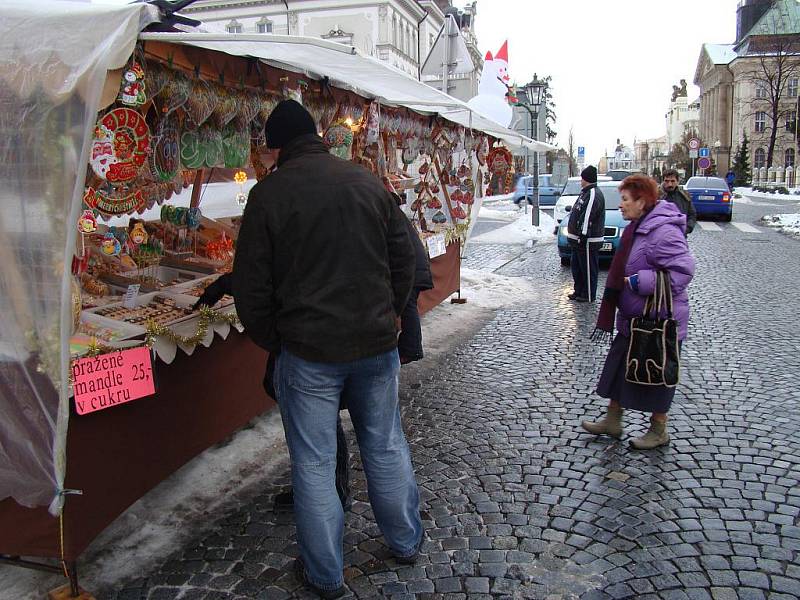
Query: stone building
[
  {"x": 399, "y": 32},
  {"x": 733, "y": 102}
]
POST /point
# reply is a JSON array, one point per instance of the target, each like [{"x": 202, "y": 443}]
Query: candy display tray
[
  {"x": 139, "y": 317},
  {"x": 167, "y": 276}
]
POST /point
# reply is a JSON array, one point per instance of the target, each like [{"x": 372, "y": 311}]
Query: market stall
[{"x": 107, "y": 245}]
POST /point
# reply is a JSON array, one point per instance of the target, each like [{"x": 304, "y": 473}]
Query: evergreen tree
[{"x": 741, "y": 164}]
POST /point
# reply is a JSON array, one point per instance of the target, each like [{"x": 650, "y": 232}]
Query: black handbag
[{"x": 653, "y": 352}]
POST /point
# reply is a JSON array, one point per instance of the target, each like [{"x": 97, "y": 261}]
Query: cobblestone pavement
[{"x": 518, "y": 503}]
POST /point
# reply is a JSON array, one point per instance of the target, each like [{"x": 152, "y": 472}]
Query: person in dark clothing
[
  {"x": 672, "y": 193},
  {"x": 323, "y": 268},
  {"x": 730, "y": 179},
  {"x": 222, "y": 286},
  {"x": 409, "y": 344},
  {"x": 587, "y": 221}
]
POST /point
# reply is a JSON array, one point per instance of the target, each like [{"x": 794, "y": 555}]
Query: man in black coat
[
  {"x": 672, "y": 193},
  {"x": 585, "y": 228},
  {"x": 323, "y": 268}
]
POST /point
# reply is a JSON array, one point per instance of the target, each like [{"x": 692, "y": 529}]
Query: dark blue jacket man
[{"x": 587, "y": 221}]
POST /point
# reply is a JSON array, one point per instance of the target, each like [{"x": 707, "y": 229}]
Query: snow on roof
[{"x": 720, "y": 54}]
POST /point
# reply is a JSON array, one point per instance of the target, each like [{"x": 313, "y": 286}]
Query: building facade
[
  {"x": 398, "y": 32},
  {"x": 681, "y": 116},
  {"x": 651, "y": 155},
  {"x": 735, "y": 100}
]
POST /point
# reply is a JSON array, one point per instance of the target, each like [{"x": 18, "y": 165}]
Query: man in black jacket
[
  {"x": 672, "y": 193},
  {"x": 323, "y": 268},
  {"x": 587, "y": 221}
]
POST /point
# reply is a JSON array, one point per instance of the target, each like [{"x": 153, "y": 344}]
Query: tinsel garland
[{"x": 208, "y": 316}]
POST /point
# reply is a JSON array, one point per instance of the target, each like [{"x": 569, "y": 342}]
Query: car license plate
[
  {"x": 606, "y": 247},
  {"x": 706, "y": 197}
]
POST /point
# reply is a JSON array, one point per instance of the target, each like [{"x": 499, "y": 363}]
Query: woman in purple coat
[{"x": 653, "y": 241}]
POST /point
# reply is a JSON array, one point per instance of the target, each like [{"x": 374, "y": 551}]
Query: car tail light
[{"x": 726, "y": 197}]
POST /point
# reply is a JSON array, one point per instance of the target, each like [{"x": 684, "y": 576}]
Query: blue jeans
[{"x": 309, "y": 394}]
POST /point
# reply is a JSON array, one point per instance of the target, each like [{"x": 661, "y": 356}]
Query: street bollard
[{"x": 535, "y": 211}]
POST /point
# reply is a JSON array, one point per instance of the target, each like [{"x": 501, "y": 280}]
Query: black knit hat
[
  {"x": 287, "y": 121},
  {"x": 588, "y": 174}
]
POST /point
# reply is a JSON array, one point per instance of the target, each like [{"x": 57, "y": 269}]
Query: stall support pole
[{"x": 197, "y": 187}]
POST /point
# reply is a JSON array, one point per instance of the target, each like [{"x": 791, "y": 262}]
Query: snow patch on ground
[
  {"x": 520, "y": 231},
  {"x": 786, "y": 223},
  {"x": 490, "y": 290},
  {"x": 747, "y": 195}
]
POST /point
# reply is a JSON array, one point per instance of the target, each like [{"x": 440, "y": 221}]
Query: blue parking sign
[
  {"x": 581, "y": 151},
  {"x": 703, "y": 153}
]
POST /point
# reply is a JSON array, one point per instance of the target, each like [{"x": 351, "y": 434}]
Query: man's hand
[{"x": 212, "y": 294}]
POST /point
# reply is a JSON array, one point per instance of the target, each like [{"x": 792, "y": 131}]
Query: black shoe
[
  {"x": 410, "y": 560},
  {"x": 284, "y": 502},
  {"x": 580, "y": 299},
  {"x": 572, "y": 296},
  {"x": 300, "y": 570}
]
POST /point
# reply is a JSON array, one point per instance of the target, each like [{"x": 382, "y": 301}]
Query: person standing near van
[
  {"x": 672, "y": 193},
  {"x": 587, "y": 221}
]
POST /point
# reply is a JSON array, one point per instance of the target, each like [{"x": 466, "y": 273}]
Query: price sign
[
  {"x": 129, "y": 299},
  {"x": 436, "y": 245},
  {"x": 110, "y": 379}
]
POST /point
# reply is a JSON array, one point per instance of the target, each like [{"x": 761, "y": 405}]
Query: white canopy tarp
[
  {"x": 348, "y": 69},
  {"x": 54, "y": 58}
]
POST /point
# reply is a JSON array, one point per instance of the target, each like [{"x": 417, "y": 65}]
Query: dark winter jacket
[
  {"x": 324, "y": 263},
  {"x": 587, "y": 219},
  {"x": 659, "y": 244},
  {"x": 423, "y": 280},
  {"x": 684, "y": 203}
]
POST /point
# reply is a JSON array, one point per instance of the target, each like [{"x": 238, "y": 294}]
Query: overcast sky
[{"x": 613, "y": 63}]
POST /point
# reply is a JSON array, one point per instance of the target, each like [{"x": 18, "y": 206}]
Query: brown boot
[
  {"x": 611, "y": 424},
  {"x": 656, "y": 436}
]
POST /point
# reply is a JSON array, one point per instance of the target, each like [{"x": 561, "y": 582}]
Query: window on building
[
  {"x": 759, "y": 158},
  {"x": 788, "y": 157},
  {"x": 761, "y": 121},
  {"x": 264, "y": 26},
  {"x": 761, "y": 90},
  {"x": 791, "y": 88},
  {"x": 791, "y": 120},
  {"x": 234, "y": 27}
]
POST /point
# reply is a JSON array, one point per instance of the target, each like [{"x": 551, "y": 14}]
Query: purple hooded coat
[{"x": 659, "y": 244}]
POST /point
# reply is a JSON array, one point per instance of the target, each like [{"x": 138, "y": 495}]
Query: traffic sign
[
  {"x": 694, "y": 144},
  {"x": 692, "y": 153},
  {"x": 581, "y": 151},
  {"x": 704, "y": 152},
  {"x": 704, "y": 163}
]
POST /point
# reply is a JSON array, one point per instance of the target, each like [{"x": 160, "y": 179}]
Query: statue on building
[{"x": 679, "y": 91}]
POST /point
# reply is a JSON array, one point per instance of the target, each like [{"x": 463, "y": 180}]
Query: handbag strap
[
  {"x": 661, "y": 298},
  {"x": 666, "y": 286}
]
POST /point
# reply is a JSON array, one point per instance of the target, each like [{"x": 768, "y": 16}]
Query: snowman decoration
[
  {"x": 493, "y": 88},
  {"x": 132, "y": 88}
]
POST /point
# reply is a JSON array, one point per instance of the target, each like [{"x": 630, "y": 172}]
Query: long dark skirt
[{"x": 633, "y": 396}]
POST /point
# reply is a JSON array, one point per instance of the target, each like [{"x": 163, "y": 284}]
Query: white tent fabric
[
  {"x": 54, "y": 57},
  {"x": 347, "y": 69}
]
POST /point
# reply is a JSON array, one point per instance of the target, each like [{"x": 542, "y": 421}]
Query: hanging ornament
[
  {"x": 132, "y": 88},
  {"x": 138, "y": 235},
  {"x": 241, "y": 178},
  {"x": 439, "y": 218},
  {"x": 165, "y": 158},
  {"x": 114, "y": 203},
  {"x": 110, "y": 245},
  {"x": 87, "y": 223},
  {"x": 120, "y": 145}
]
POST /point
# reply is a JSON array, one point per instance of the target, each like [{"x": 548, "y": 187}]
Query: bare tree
[
  {"x": 571, "y": 153},
  {"x": 775, "y": 61}
]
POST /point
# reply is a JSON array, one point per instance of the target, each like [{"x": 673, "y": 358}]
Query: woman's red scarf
[{"x": 614, "y": 284}]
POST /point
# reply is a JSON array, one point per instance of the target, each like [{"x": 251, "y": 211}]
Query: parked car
[
  {"x": 710, "y": 196},
  {"x": 618, "y": 174},
  {"x": 568, "y": 196},
  {"x": 613, "y": 230},
  {"x": 548, "y": 193}
]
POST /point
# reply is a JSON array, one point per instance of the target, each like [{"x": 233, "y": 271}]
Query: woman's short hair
[{"x": 641, "y": 186}]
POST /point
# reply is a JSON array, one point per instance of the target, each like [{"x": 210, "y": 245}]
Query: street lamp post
[{"x": 534, "y": 95}]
